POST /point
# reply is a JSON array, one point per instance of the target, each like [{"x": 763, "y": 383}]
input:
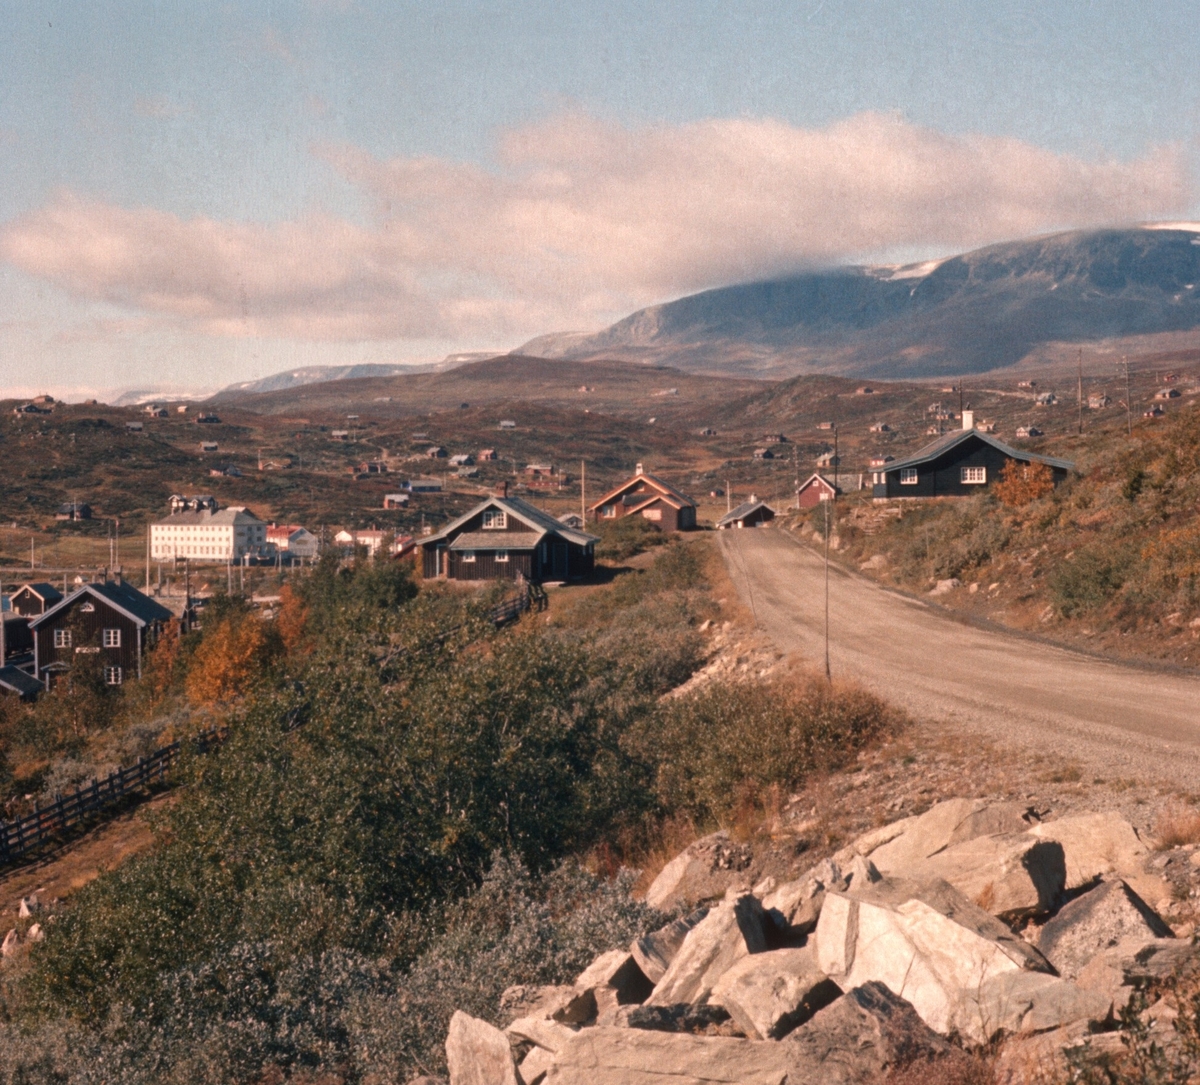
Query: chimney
[
  {"x": 502, "y": 489},
  {"x": 968, "y": 419},
  {"x": 117, "y": 575},
  {"x": 640, "y": 469}
]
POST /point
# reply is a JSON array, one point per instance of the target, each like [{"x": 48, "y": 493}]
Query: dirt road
[{"x": 1115, "y": 718}]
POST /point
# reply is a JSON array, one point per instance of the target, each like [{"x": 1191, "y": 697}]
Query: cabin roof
[
  {"x": 498, "y": 540},
  {"x": 743, "y": 510},
  {"x": 47, "y": 593},
  {"x": 530, "y": 515},
  {"x": 949, "y": 441},
  {"x": 127, "y": 600},
  {"x": 665, "y": 490},
  {"x": 20, "y": 682}
]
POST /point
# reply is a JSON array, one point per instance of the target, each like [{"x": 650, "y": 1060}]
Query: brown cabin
[
  {"x": 652, "y": 499},
  {"x": 112, "y": 619},
  {"x": 816, "y": 488},
  {"x": 31, "y": 600}
]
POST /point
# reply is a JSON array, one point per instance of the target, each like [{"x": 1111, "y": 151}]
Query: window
[
  {"x": 495, "y": 520},
  {"x": 973, "y": 475},
  {"x": 62, "y": 638},
  {"x": 468, "y": 556},
  {"x": 608, "y": 511},
  {"x": 112, "y": 676},
  {"x": 908, "y": 476},
  {"x": 652, "y": 514},
  {"x": 501, "y": 556},
  {"x": 112, "y": 638}
]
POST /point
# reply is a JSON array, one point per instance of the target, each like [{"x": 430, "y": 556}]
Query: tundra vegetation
[{"x": 412, "y": 810}]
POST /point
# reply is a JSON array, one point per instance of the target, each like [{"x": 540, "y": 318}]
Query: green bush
[
  {"x": 1087, "y": 581},
  {"x": 724, "y": 743},
  {"x": 625, "y": 537}
]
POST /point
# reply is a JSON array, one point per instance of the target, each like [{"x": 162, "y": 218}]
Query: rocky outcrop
[{"x": 703, "y": 870}]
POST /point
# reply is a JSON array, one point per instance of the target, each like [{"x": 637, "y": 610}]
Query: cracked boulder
[{"x": 769, "y": 994}]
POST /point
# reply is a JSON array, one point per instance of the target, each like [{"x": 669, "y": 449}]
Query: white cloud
[{"x": 580, "y": 221}]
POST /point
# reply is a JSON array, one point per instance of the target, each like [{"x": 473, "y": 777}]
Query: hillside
[{"x": 974, "y": 313}]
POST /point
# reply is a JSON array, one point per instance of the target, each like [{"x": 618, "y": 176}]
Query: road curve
[{"x": 1121, "y": 718}]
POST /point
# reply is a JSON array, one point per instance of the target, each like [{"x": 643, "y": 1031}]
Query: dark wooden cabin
[
  {"x": 111, "y": 619},
  {"x": 31, "y": 600},
  {"x": 649, "y": 497},
  {"x": 504, "y": 537},
  {"x": 958, "y": 464}
]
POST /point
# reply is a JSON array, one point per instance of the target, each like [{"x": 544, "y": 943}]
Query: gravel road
[{"x": 1121, "y": 719}]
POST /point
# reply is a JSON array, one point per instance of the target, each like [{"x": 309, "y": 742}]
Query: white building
[
  {"x": 293, "y": 539},
  {"x": 204, "y": 535}
]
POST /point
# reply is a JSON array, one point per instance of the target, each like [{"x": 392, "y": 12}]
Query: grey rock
[
  {"x": 617, "y": 1056},
  {"x": 478, "y": 1053},
  {"x": 702, "y": 871},
  {"x": 547, "y": 1034},
  {"x": 728, "y": 933},
  {"x": 1116, "y": 971},
  {"x": 769, "y": 994},
  {"x": 535, "y": 1065},
  {"x": 926, "y": 942},
  {"x": 1094, "y": 845},
  {"x": 1106, "y": 916},
  {"x": 654, "y": 952},
  {"x": 796, "y": 906},
  {"x": 614, "y": 979},
  {"x": 926, "y": 835},
  {"x": 533, "y": 1001},
  {"x": 1024, "y": 1002},
  {"x": 859, "y": 1038}
]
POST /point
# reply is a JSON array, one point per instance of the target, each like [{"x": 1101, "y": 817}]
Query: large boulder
[
  {"x": 796, "y": 906},
  {"x": 859, "y": 1038},
  {"x": 1117, "y": 971},
  {"x": 925, "y": 941},
  {"x": 769, "y": 994},
  {"x": 654, "y": 952},
  {"x": 614, "y": 979},
  {"x": 1011, "y": 875},
  {"x": 728, "y": 933},
  {"x": 619, "y": 1056},
  {"x": 1095, "y": 845},
  {"x": 943, "y": 825},
  {"x": 560, "y": 1002},
  {"x": 702, "y": 871},
  {"x": 1025, "y": 1002},
  {"x": 478, "y": 1053},
  {"x": 1104, "y": 917}
]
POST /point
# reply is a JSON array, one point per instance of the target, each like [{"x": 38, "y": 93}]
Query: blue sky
[{"x": 201, "y": 193}]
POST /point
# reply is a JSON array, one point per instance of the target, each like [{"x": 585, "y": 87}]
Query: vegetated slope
[
  {"x": 973, "y": 313},
  {"x": 1111, "y": 558},
  {"x": 612, "y": 387}
]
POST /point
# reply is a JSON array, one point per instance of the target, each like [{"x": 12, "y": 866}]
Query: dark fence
[
  {"x": 50, "y": 823},
  {"x": 27, "y": 834}
]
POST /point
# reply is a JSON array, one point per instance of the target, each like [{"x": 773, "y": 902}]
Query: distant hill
[
  {"x": 982, "y": 311},
  {"x": 311, "y": 374}
]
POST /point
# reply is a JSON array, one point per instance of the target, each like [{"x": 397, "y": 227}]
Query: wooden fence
[{"x": 27, "y": 834}]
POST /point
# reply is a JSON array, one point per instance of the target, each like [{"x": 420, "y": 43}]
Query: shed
[
  {"x": 752, "y": 513},
  {"x": 395, "y": 501},
  {"x": 815, "y": 489},
  {"x": 134, "y": 427},
  {"x": 74, "y": 510},
  {"x": 33, "y": 599},
  {"x": 763, "y": 454}
]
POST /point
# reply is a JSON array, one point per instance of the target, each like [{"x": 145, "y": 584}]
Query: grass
[{"x": 1177, "y": 826}]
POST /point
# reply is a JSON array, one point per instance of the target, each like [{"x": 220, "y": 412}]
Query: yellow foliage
[
  {"x": 293, "y": 618},
  {"x": 1175, "y": 554},
  {"x": 226, "y": 661},
  {"x": 1020, "y": 483}
]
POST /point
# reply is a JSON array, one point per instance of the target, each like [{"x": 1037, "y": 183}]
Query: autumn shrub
[
  {"x": 707, "y": 751},
  {"x": 1087, "y": 580},
  {"x": 234, "y": 652},
  {"x": 1020, "y": 483},
  {"x": 626, "y": 537}
]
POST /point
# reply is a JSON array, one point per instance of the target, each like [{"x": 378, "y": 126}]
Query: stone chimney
[
  {"x": 968, "y": 419},
  {"x": 640, "y": 469}
]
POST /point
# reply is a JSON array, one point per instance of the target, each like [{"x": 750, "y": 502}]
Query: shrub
[
  {"x": 1087, "y": 581},
  {"x": 1020, "y": 483},
  {"x": 711, "y": 749},
  {"x": 627, "y": 536}
]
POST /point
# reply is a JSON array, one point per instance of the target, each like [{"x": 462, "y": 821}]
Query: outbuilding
[
  {"x": 816, "y": 488},
  {"x": 31, "y": 600},
  {"x": 752, "y": 513}
]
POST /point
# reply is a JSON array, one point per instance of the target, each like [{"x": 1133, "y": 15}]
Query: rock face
[
  {"x": 655, "y": 952},
  {"x": 727, "y": 934},
  {"x": 617, "y": 1056},
  {"x": 478, "y": 1053},
  {"x": 614, "y": 979},
  {"x": 926, "y": 942},
  {"x": 1094, "y": 845},
  {"x": 1106, "y": 916},
  {"x": 858, "y": 1038},
  {"x": 703, "y": 870},
  {"x": 1026, "y": 1002},
  {"x": 769, "y": 994}
]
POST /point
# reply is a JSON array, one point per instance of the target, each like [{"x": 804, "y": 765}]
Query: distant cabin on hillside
[
  {"x": 752, "y": 513},
  {"x": 649, "y": 497},
  {"x": 74, "y": 510},
  {"x": 957, "y": 464},
  {"x": 815, "y": 489}
]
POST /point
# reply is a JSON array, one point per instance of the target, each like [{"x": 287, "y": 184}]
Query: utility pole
[
  {"x": 728, "y": 497},
  {"x": 583, "y": 491},
  {"x": 1081, "y": 391},
  {"x": 828, "y": 672},
  {"x": 1128, "y": 396},
  {"x": 835, "y": 459}
]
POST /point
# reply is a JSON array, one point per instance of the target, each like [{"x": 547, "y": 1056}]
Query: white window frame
[
  {"x": 112, "y": 676},
  {"x": 468, "y": 556},
  {"x": 972, "y": 476},
  {"x": 501, "y": 557},
  {"x": 112, "y": 638},
  {"x": 62, "y": 638},
  {"x": 495, "y": 520},
  {"x": 608, "y": 512},
  {"x": 652, "y": 514},
  {"x": 908, "y": 476}
]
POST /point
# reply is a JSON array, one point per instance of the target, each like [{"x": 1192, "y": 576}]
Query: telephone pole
[
  {"x": 828, "y": 672},
  {"x": 1081, "y": 391},
  {"x": 1128, "y": 396}
]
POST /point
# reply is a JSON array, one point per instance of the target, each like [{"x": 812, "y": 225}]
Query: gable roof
[
  {"x": 47, "y": 593},
  {"x": 665, "y": 490},
  {"x": 820, "y": 480},
  {"x": 528, "y": 514},
  {"x": 950, "y": 441},
  {"x": 743, "y": 510},
  {"x": 25, "y": 685},
  {"x": 125, "y": 598}
]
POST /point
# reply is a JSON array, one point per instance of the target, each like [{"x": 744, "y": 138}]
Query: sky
[{"x": 195, "y": 194}]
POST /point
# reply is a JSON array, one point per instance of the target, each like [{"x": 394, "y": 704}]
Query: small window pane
[
  {"x": 908, "y": 476},
  {"x": 468, "y": 556},
  {"x": 973, "y": 475},
  {"x": 502, "y": 555}
]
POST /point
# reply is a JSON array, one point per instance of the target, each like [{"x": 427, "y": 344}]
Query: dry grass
[
  {"x": 1175, "y": 826},
  {"x": 957, "y": 1068}
]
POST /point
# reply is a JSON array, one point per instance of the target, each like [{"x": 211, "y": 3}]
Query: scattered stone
[
  {"x": 954, "y": 821},
  {"x": 478, "y": 1053},
  {"x": 769, "y": 994},
  {"x": 9, "y": 946},
  {"x": 1106, "y": 916},
  {"x": 926, "y": 941},
  {"x": 728, "y": 933},
  {"x": 944, "y": 586},
  {"x": 35, "y": 933},
  {"x": 30, "y": 906},
  {"x": 614, "y": 979},
  {"x": 655, "y": 952},
  {"x": 859, "y": 1038},
  {"x": 628, "y": 1056},
  {"x": 701, "y": 871},
  {"x": 1012, "y": 875}
]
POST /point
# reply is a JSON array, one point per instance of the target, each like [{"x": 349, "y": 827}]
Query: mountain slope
[{"x": 973, "y": 313}]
